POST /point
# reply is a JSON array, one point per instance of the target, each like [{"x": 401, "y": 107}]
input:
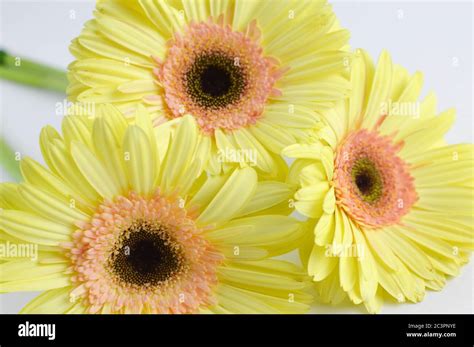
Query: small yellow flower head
[{"x": 389, "y": 203}]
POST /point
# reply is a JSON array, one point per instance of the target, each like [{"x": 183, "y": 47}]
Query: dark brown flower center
[
  {"x": 367, "y": 179},
  {"x": 215, "y": 80},
  {"x": 146, "y": 255}
]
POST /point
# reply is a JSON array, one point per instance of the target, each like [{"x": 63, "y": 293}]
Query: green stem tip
[
  {"x": 24, "y": 71},
  {"x": 9, "y": 160}
]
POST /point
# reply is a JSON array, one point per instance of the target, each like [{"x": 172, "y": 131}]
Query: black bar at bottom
[{"x": 224, "y": 329}]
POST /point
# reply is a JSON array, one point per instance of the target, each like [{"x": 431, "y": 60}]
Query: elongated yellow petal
[
  {"x": 94, "y": 171},
  {"x": 309, "y": 208},
  {"x": 433, "y": 130},
  {"x": 357, "y": 100},
  {"x": 232, "y": 197},
  {"x": 108, "y": 149},
  {"x": 367, "y": 270},
  {"x": 381, "y": 248},
  {"x": 138, "y": 160},
  {"x": 196, "y": 11},
  {"x": 268, "y": 194},
  {"x": 9, "y": 198},
  {"x": 379, "y": 91},
  {"x": 348, "y": 272},
  {"x": 387, "y": 281},
  {"x": 259, "y": 279},
  {"x": 166, "y": 19},
  {"x": 312, "y": 174},
  {"x": 233, "y": 300},
  {"x": 47, "y": 135},
  {"x": 51, "y": 301},
  {"x": 312, "y": 151},
  {"x": 271, "y": 136},
  {"x": 77, "y": 128},
  {"x": 268, "y": 231},
  {"x": 321, "y": 263},
  {"x": 329, "y": 203},
  {"x": 247, "y": 142},
  {"x": 432, "y": 225},
  {"x": 330, "y": 290},
  {"x": 452, "y": 199},
  {"x": 180, "y": 153},
  {"x": 409, "y": 253},
  {"x": 18, "y": 270},
  {"x": 130, "y": 37},
  {"x": 314, "y": 192},
  {"x": 432, "y": 244},
  {"x": 28, "y": 227},
  {"x": 66, "y": 167},
  {"x": 324, "y": 229},
  {"x": 208, "y": 190},
  {"x": 51, "y": 206},
  {"x": 36, "y": 284},
  {"x": 291, "y": 116}
]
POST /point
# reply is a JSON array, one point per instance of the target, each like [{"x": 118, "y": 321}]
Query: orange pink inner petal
[
  {"x": 218, "y": 75},
  {"x": 373, "y": 184},
  {"x": 143, "y": 255}
]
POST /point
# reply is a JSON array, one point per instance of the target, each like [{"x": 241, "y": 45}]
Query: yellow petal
[
  {"x": 272, "y": 137},
  {"x": 268, "y": 194},
  {"x": 208, "y": 191},
  {"x": 138, "y": 160},
  {"x": 18, "y": 270},
  {"x": 329, "y": 203},
  {"x": 379, "y": 91},
  {"x": 358, "y": 81},
  {"x": 65, "y": 166},
  {"x": 367, "y": 270},
  {"x": 36, "y": 284},
  {"x": 166, "y": 18},
  {"x": 246, "y": 141},
  {"x": 324, "y": 229},
  {"x": 53, "y": 207},
  {"x": 108, "y": 150},
  {"x": 409, "y": 253},
  {"x": 348, "y": 272},
  {"x": 77, "y": 128},
  {"x": 231, "y": 198},
  {"x": 51, "y": 301},
  {"x": 94, "y": 171},
  {"x": 381, "y": 248},
  {"x": 29, "y": 227},
  {"x": 312, "y": 151},
  {"x": 321, "y": 263},
  {"x": 130, "y": 36},
  {"x": 180, "y": 153}
]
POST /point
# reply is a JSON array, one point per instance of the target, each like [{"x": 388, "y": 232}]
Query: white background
[{"x": 434, "y": 37}]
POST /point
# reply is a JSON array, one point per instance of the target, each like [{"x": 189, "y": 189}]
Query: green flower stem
[
  {"x": 28, "y": 72},
  {"x": 8, "y": 160},
  {"x": 24, "y": 71}
]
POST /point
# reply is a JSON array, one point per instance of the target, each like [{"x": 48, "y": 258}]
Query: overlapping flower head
[
  {"x": 389, "y": 202},
  {"x": 252, "y": 73},
  {"x": 141, "y": 208},
  {"x": 127, "y": 222}
]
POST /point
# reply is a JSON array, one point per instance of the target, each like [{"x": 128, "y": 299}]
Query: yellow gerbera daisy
[
  {"x": 123, "y": 226},
  {"x": 390, "y": 203},
  {"x": 251, "y": 72}
]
